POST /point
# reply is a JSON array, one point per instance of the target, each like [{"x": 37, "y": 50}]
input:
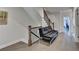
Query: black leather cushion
[
  {"x": 47, "y": 34},
  {"x": 51, "y": 34},
  {"x": 44, "y": 30}
]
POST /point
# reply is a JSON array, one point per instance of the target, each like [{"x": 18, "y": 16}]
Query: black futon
[{"x": 47, "y": 34}]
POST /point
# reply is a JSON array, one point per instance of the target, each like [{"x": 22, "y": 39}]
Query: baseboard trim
[
  {"x": 14, "y": 42},
  {"x": 8, "y": 44},
  {"x": 25, "y": 41},
  {"x": 77, "y": 41}
]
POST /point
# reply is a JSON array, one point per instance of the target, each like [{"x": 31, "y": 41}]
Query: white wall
[
  {"x": 76, "y": 25},
  {"x": 34, "y": 13},
  {"x": 15, "y": 30}
]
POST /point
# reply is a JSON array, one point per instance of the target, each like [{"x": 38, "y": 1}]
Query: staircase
[{"x": 48, "y": 21}]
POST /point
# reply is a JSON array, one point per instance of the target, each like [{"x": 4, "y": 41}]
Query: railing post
[
  {"x": 53, "y": 26},
  {"x": 29, "y": 41}
]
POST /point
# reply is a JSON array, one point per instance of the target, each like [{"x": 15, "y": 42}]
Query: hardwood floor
[{"x": 62, "y": 43}]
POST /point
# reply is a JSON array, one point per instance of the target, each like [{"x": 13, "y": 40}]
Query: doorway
[{"x": 67, "y": 25}]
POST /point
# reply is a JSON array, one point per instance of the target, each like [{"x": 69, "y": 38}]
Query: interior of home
[{"x": 39, "y": 28}]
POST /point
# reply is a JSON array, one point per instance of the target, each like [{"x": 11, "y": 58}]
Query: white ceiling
[{"x": 50, "y": 10}]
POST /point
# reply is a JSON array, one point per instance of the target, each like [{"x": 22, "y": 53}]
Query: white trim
[
  {"x": 25, "y": 41},
  {"x": 8, "y": 44},
  {"x": 77, "y": 41},
  {"x": 13, "y": 42}
]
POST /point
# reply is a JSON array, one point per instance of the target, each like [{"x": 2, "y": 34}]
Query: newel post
[{"x": 29, "y": 32}]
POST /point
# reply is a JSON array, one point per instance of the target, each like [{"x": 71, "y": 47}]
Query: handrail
[
  {"x": 45, "y": 14},
  {"x": 36, "y": 27},
  {"x": 49, "y": 21}
]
